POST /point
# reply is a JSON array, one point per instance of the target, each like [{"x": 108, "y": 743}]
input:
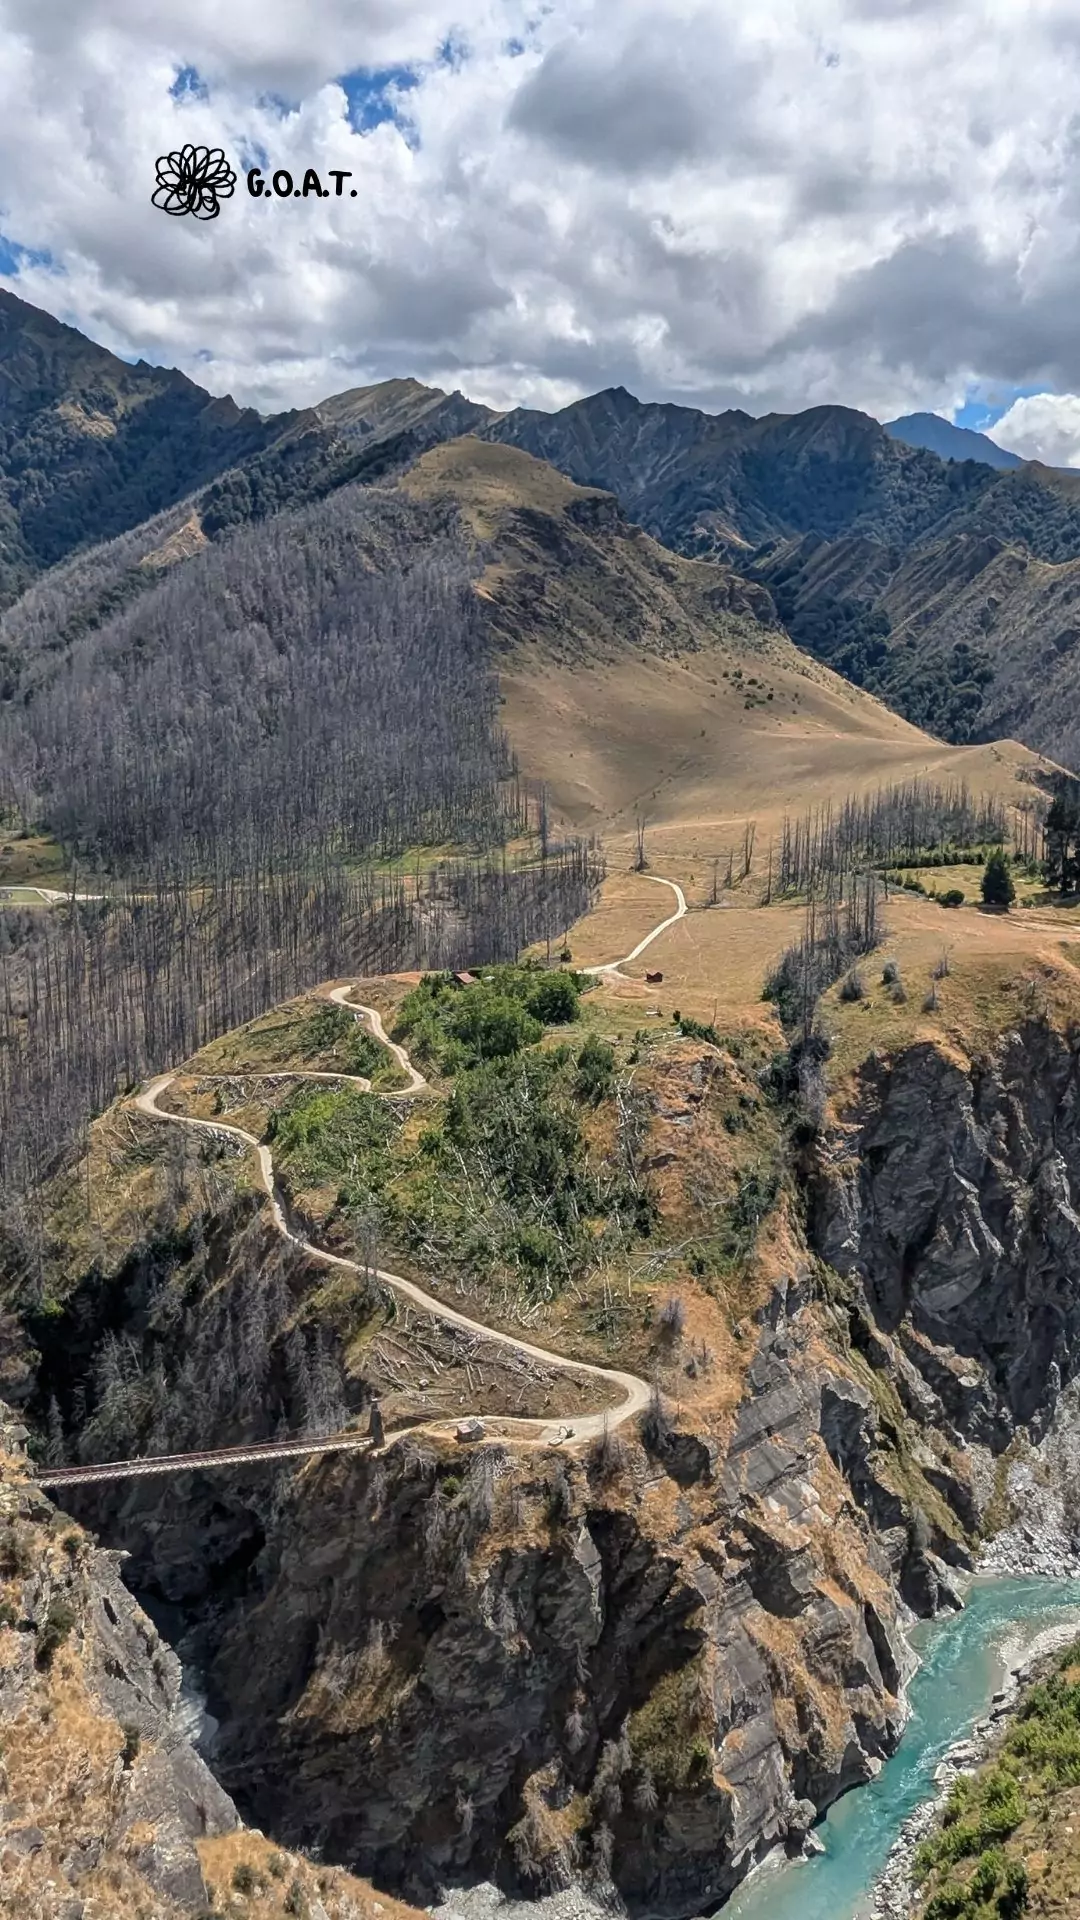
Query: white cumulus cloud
[
  {"x": 804, "y": 201},
  {"x": 1042, "y": 426}
]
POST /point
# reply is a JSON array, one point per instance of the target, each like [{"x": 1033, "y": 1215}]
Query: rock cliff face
[
  {"x": 105, "y": 1807},
  {"x": 652, "y": 1665},
  {"x": 647, "y": 1667},
  {"x": 103, "y": 1795},
  {"x": 949, "y": 1198}
]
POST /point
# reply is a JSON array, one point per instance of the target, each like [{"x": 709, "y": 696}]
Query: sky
[{"x": 873, "y": 203}]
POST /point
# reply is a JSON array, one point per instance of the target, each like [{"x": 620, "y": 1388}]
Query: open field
[
  {"x": 31, "y": 860},
  {"x": 715, "y": 961}
]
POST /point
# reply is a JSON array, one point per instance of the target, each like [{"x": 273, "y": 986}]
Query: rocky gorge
[{"x": 638, "y": 1668}]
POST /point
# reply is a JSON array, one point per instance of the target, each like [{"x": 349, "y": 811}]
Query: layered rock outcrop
[
  {"x": 106, "y": 1809},
  {"x": 646, "y": 1665},
  {"x": 950, "y": 1198},
  {"x": 640, "y": 1666}
]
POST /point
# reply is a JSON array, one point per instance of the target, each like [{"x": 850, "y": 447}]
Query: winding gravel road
[{"x": 636, "y": 1393}]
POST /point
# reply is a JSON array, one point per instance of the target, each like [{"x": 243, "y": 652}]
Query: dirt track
[{"x": 636, "y": 1393}]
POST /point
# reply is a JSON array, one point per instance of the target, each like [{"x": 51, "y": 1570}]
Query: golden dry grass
[
  {"x": 715, "y": 961},
  {"x": 269, "y": 1875},
  {"x": 672, "y": 741}
]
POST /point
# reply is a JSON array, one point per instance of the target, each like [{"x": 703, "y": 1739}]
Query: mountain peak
[{"x": 939, "y": 436}]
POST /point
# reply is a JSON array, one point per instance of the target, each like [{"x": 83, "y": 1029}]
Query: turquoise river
[{"x": 962, "y": 1667}]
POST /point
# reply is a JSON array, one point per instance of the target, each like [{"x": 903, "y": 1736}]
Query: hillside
[
  {"x": 971, "y": 635},
  {"x": 556, "y": 1650},
  {"x": 95, "y": 451},
  {"x": 636, "y": 682},
  {"x": 90, "y": 446},
  {"x": 729, "y": 483},
  {"x": 842, "y": 520}
]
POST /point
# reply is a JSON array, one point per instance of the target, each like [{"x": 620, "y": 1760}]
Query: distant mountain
[
  {"x": 949, "y": 442},
  {"x": 90, "y": 446},
  {"x": 866, "y": 542},
  {"x": 727, "y": 483}
]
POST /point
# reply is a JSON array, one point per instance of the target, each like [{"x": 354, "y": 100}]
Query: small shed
[{"x": 463, "y": 979}]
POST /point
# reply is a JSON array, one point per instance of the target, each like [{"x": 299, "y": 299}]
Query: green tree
[
  {"x": 997, "y": 881},
  {"x": 554, "y": 1000}
]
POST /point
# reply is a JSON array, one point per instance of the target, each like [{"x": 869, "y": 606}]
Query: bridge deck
[{"x": 255, "y": 1453}]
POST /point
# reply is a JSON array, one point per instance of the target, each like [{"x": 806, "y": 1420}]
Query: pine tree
[{"x": 997, "y": 881}]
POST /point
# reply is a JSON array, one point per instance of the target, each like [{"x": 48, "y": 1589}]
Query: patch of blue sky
[
  {"x": 189, "y": 85},
  {"x": 276, "y": 104},
  {"x": 13, "y": 257},
  {"x": 374, "y": 95},
  {"x": 251, "y": 154},
  {"x": 453, "y": 52},
  {"x": 986, "y": 403}
]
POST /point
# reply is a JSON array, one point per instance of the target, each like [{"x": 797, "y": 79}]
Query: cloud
[
  {"x": 1042, "y": 426},
  {"x": 659, "y": 101},
  {"x": 864, "y": 201}
]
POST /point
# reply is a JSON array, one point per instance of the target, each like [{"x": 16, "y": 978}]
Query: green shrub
[
  {"x": 953, "y": 898},
  {"x": 58, "y": 1624},
  {"x": 325, "y": 1134},
  {"x": 1013, "y": 1898},
  {"x": 332, "y": 1029},
  {"x": 244, "y": 1878},
  {"x": 554, "y": 1000},
  {"x": 949, "y": 1903},
  {"x": 692, "y": 1029},
  {"x": 595, "y": 1075},
  {"x": 455, "y": 1027}
]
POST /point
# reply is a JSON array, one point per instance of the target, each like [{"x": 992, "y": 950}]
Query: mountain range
[{"x": 943, "y": 585}]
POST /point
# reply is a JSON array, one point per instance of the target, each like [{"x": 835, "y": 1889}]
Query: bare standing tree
[{"x": 749, "y": 836}]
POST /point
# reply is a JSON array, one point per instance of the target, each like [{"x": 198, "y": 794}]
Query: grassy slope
[
  {"x": 1007, "y": 1843},
  {"x": 640, "y": 682}
]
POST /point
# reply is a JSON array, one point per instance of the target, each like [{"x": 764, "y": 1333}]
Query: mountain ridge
[{"x": 92, "y": 448}]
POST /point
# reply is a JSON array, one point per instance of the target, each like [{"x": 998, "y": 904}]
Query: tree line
[
  {"x": 892, "y": 827},
  {"x": 233, "y": 756}
]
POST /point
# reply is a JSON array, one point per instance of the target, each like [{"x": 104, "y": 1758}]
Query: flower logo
[{"x": 193, "y": 180}]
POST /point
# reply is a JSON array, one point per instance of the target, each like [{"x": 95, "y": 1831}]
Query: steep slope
[
  {"x": 370, "y": 414},
  {"x": 638, "y": 683},
  {"x": 948, "y": 442},
  {"x": 643, "y": 1662},
  {"x": 107, "y": 1809},
  {"x": 725, "y": 483},
  {"x": 92, "y": 449},
  {"x": 971, "y": 635},
  {"x": 90, "y": 446},
  {"x": 842, "y": 520}
]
